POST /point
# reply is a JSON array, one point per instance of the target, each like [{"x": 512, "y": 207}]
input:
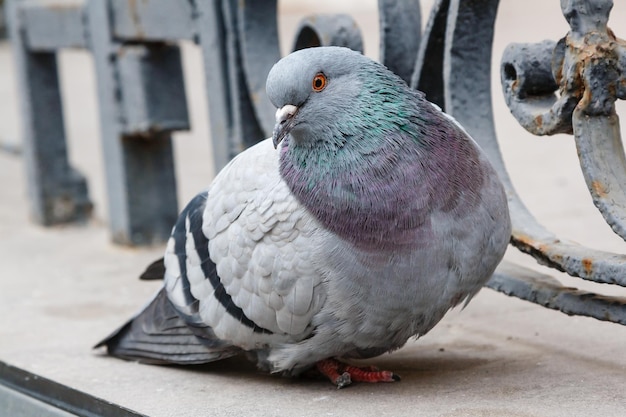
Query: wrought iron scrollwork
[
  {"x": 587, "y": 67},
  {"x": 568, "y": 86},
  {"x": 552, "y": 87}
]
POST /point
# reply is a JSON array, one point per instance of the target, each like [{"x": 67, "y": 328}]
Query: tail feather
[
  {"x": 156, "y": 270},
  {"x": 159, "y": 335}
]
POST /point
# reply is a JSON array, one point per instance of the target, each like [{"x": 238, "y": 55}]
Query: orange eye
[{"x": 319, "y": 82}]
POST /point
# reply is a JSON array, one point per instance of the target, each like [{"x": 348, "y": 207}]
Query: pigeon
[{"x": 366, "y": 216}]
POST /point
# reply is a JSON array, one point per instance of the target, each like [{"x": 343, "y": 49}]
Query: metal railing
[
  {"x": 24, "y": 394},
  {"x": 567, "y": 86},
  {"x": 571, "y": 86}
]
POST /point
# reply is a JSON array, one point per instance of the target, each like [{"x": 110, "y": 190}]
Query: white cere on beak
[
  {"x": 285, "y": 112},
  {"x": 283, "y": 124}
]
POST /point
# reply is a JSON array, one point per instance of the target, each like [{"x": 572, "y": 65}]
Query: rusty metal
[
  {"x": 548, "y": 292},
  {"x": 587, "y": 67},
  {"x": 570, "y": 86}
]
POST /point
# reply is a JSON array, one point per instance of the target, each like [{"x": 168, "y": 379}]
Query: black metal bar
[
  {"x": 58, "y": 395},
  {"x": 428, "y": 71},
  {"x": 400, "y": 35}
]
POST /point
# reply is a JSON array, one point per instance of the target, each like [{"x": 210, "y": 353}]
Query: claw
[{"x": 342, "y": 374}]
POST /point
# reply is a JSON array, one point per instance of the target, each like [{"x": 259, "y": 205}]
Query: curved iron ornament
[
  {"x": 450, "y": 62},
  {"x": 571, "y": 86},
  {"x": 467, "y": 56}
]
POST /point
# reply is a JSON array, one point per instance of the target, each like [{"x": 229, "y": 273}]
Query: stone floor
[{"x": 64, "y": 288}]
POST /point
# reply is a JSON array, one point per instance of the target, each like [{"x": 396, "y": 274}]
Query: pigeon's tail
[
  {"x": 159, "y": 335},
  {"x": 156, "y": 270}
]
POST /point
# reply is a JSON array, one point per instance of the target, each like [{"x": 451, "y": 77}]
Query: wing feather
[{"x": 263, "y": 287}]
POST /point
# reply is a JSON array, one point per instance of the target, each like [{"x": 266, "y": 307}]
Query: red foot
[{"x": 342, "y": 374}]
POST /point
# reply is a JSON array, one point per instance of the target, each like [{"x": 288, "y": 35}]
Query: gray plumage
[{"x": 376, "y": 215}]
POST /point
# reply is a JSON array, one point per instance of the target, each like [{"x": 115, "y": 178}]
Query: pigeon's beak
[{"x": 284, "y": 122}]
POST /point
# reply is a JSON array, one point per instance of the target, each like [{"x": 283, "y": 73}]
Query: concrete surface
[{"x": 64, "y": 288}]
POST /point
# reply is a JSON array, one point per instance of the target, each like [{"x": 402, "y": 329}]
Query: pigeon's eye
[{"x": 319, "y": 82}]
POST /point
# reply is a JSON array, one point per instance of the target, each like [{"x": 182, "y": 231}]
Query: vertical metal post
[
  {"x": 211, "y": 38},
  {"x": 232, "y": 115},
  {"x": 139, "y": 167},
  {"x": 58, "y": 193}
]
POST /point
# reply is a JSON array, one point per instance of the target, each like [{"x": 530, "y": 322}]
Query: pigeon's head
[{"x": 314, "y": 90}]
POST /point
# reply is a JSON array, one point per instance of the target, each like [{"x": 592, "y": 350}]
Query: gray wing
[
  {"x": 240, "y": 271},
  {"x": 242, "y": 259},
  {"x": 159, "y": 335}
]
